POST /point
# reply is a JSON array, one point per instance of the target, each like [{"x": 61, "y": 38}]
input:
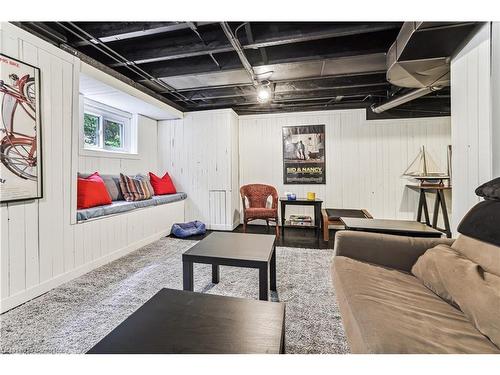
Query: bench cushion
[
  {"x": 162, "y": 199},
  {"x": 390, "y": 311},
  {"x": 124, "y": 206}
]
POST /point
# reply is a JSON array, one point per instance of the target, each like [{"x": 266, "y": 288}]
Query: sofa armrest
[{"x": 383, "y": 249}]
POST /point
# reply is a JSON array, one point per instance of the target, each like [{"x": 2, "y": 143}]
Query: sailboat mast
[{"x": 425, "y": 161}]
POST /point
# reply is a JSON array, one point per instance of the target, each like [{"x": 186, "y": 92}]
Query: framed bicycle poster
[{"x": 20, "y": 144}]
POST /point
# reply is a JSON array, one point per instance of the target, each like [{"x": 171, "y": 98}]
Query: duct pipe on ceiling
[
  {"x": 239, "y": 50},
  {"x": 404, "y": 98}
]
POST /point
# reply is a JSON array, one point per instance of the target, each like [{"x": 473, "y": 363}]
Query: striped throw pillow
[{"x": 134, "y": 189}]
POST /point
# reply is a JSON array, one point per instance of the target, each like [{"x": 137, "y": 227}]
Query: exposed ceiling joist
[
  {"x": 333, "y": 92},
  {"x": 152, "y": 28},
  {"x": 194, "y": 65},
  {"x": 380, "y": 73},
  {"x": 146, "y": 55}
]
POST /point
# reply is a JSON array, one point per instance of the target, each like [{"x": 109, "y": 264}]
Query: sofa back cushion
[
  {"x": 92, "y": 192},
  {"x": 481, "y": 222},
  {"x": 465, "y": 284},
  {"x": 112, "y": 183},
  {"x": 134, "y": 189},
  {"x": 163, "y": 185},
  {"x": 489, "y": 190},
  {"x": 482, "y": 253}
]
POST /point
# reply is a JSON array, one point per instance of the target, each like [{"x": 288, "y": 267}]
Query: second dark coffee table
[{"x": 234, "y": 249}]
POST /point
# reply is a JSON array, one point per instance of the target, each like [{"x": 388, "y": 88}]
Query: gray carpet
[{"x": 75, "y": 316}]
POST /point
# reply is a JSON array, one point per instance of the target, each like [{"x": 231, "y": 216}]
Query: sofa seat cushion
[{"x": 390, "y": 311}]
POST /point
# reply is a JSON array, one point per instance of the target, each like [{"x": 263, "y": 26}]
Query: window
[
  {"x": 106, "y": 128},
  {"x": 91, "y": 129}
]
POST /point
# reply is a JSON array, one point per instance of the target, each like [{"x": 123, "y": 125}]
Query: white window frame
[{"x": 107, "y": 113}]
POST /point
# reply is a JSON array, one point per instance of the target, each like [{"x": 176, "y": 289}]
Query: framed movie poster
[
  {"x": 20, "y": 158},
  {"x": 304, "y": 154}
]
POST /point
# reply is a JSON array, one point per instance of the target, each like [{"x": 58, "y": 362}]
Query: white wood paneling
[
  {"x": 200, "y": 152},
  {"x": 495, "y": 97},
  {"x": 364, "y": 159},
  {"x": 40, "y": 247},
  {"x": 471, "y": 127}
]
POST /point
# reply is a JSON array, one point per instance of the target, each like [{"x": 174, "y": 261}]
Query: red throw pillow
[
  {"x": 91, "y": 192},
  {"x": 162, "y": 185}
]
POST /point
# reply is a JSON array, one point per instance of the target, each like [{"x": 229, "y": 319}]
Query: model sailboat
[{"x": 425, "y": 170}]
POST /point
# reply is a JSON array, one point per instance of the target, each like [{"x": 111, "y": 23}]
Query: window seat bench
[{"x": 123, "y": 206}]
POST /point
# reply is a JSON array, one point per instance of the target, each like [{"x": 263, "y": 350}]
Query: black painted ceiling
[{"x": 310, "y": 65}]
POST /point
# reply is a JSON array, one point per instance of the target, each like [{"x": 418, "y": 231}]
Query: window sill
[{"x": 108, "y": 154}]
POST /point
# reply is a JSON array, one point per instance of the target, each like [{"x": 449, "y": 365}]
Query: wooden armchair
[{"x": 257, "y": 195}]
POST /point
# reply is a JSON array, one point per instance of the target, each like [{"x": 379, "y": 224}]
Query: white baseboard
[
  {"x": 28, "y": 294},
  {"x": 221, "y": 227}
]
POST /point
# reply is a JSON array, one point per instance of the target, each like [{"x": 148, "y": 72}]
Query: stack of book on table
[{"x": 300, "y": 220}]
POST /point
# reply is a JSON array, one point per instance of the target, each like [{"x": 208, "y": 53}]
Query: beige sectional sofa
[{"x": 385, "y": 308}]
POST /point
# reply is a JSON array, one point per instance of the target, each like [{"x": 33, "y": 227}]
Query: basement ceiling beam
[
  {"x": 345, "y": 89},
  {"x": 230, "y": 62},
  {"x": 333, "y": 92},
  {"x": 149, "y": 29},
  {"x": 379, "y": 74},
  {"x": 197, "y": 49}
]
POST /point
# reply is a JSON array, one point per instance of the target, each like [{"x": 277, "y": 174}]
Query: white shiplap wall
[
  {"x": 471, "y": 126},
  {"x": 495, "y": 98},
  {"x": 364, "y": 159},
  {"x": 200, "y": 152},
  {"x": 40, "y": 247}
]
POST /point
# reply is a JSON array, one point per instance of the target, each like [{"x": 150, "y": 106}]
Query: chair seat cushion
[
  {"x": 390, "y": 311},
  {"x": 261, "y": 213}
]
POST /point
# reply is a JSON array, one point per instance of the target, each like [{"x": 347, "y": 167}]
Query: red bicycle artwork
[{"x": 17, "y": 149}]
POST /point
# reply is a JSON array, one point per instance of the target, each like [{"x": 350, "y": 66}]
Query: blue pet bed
[{"x": 184, "y": 230}]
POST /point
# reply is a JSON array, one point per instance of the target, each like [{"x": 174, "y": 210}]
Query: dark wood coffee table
[
  {"x": 398, "y": 227},
  {"x": 234, "y": 249},
  {"x": 176, "y": 321}
]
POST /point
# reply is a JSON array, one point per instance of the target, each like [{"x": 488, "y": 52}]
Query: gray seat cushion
[
  {"x": 123, "y": 206},
  {"x": 169, "y": 198},
  {"x": 144, "y": 203},
  {"x": 109, "y": 209}
]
